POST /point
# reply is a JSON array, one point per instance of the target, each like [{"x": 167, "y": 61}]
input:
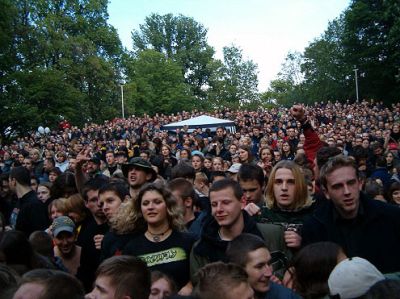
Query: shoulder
[{"x": 281, "y": 292}]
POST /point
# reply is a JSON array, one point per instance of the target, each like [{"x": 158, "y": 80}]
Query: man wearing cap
[
  {"x": 233, "y": 171},
  {"x": 138, "y": 172},
  {"x": 64, "y": 236}
]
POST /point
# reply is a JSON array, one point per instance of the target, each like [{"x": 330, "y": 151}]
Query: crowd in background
[{"x": 64, "y": 165}]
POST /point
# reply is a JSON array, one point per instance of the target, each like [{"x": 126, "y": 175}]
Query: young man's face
[
  {"x": 110, "y": 202},
  {"x": 343, "y": 189},
  {"x": 93, "y": 203},
  {"x": 103, "y": 289},
  {"x": 225, "y": 207},
  {"x": 284, "y": 187},
  {"x": 252, "y": 191},
  {"x": 137, "y": 177},
  {"x": 65, "y": 241},
  {"x": 258, "y": 269}
]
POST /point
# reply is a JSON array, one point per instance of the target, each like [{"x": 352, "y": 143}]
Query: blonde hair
[
  {"x": 301, "y": 196},
  {"x": 129, "y": 217}
]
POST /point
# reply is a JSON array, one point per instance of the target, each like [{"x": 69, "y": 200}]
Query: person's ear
[{"x": 126, "y": 198}]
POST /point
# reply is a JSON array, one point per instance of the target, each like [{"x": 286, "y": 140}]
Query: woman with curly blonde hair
[{"x": 156, "y": 223}]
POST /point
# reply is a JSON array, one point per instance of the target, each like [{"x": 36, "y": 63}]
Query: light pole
[
  {"x": 356, "y": 77},
  {"x": 122, "y": 100}
]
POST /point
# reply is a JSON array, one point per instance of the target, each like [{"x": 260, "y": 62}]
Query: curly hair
[{"x": 130, "y": 218}]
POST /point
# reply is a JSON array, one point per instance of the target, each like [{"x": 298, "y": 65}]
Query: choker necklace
[{"x": 157, "y": 237}]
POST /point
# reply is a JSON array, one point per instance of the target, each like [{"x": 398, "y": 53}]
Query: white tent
[{"x": 204, "y": 122}]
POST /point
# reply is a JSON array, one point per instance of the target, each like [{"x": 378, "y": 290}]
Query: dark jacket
[
  {"x": 374, "y": 234},
  {"x": 31, "y": 214},
  {"x": 210, "y": 248}
]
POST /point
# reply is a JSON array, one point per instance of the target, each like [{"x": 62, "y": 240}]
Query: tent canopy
[{"x": 203, "y": 121}]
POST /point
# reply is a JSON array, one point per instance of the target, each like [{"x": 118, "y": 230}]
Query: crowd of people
[{"x": 295, "y": 203}]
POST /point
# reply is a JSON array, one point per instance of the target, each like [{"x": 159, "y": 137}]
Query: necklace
[{"x": 157, "y": 237}]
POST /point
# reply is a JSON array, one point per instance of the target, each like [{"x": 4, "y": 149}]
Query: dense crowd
[{"x": 275, "y": 209}]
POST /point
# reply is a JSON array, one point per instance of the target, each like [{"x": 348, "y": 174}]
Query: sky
[{"x": 266, "y": 30}]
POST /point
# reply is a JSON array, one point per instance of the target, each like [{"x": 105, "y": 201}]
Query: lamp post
[
  {"x": 122, "y": 100},
  {"x": 356, "y": 78}
]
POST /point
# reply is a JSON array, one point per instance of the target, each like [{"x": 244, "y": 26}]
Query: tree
[
  {"x": 182, "y": 40},
  {"x": 325, "y": 69},
  {"x": 235, "y": 81},
  {"x": 66, "y": 62},
  {"x": 371, "y": 38},
  {"x": 157, "y": 85}
]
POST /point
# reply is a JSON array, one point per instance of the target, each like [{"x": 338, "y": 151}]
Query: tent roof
[{"x": 203, "y": 121}]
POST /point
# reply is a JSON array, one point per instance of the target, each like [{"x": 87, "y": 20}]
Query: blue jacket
[{"x": 277, "y": 291}]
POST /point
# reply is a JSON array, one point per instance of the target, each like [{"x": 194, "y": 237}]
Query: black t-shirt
[{"x": 170, "y": 256}]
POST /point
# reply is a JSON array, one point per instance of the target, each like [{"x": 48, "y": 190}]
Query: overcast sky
[{"x": 266, "y": 30}]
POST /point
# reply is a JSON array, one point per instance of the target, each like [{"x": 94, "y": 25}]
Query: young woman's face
[
  {"x": 243, "y": 155},
  {"x": 54, "y": 213},
  {"x": 266, "y": 155},
  {"x": 165, "y": 151},
  {"x": 396, "y": 196},
  {"x": 154, "y": 208},
  {"x": 217, "y": 165}
]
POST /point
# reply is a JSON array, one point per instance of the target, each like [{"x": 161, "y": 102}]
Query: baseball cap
[
  {"x": 234, "y": 168},
  {"x": 62, "y": 224},
  {"x": 353, "y": 277}
]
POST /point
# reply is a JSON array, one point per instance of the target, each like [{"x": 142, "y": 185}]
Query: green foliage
[
  {"x": 182, "y": 40},
  {"x": 366, "y": 37},
  {"x": 61, "y": 59},
  {"x": 234, "y": 82},
  {"x": 157, "y": 85}
]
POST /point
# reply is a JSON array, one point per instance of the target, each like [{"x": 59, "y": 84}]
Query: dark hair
[
  {"x": 56, "y": 284},
  {"x": 312, "y": 266},
  {"x": 335, "y": 163},
  {"x": 183, "y": 170},
  {"x": 238, "y": 249},
  {"x": 225, "y": 184},
  {"x": 21, "y": 175},
  {"x": 18, "y": 251},
  {"x": 128, "y": 274},
  {"x": 8, "y": 281},
  {"x": 248, "y": 172},
  {"x": 119, "y": 188},
  {"x": 326, "y": 152},
  {"x": 157, "y": 275},
  {"x": 55, "y": 170},
  {"x": 93, "y": 184},
  {"x": 64, "y": 185},
  {"x": 386, "y": 288},
  {"x": 216, "y": 173},
  {"x": 42, "y": 243},
  {"x": 381, "y": 162},
  {"x": 183, "y": 186},
  {"x": 372, "y": 188},
  {"x": 393, "y": 187}
]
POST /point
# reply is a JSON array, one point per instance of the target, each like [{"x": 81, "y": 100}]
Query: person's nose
[{"x": 267, "y": 271}]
